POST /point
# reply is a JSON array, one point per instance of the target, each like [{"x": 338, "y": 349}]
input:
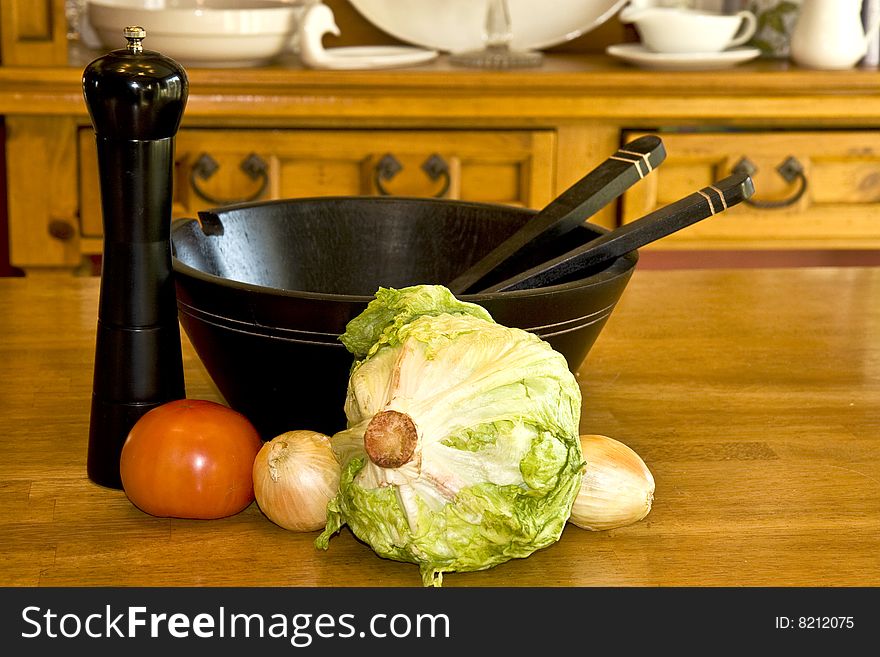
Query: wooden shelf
[{"x": 567, "y": 87}]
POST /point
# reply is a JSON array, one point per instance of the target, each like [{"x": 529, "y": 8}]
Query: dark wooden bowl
[{"x": 264, "y": 290}]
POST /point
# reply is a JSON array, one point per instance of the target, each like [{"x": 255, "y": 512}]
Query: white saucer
[
  {"x": 636, "y": 53},
  {"x": 362, "y": 57}
]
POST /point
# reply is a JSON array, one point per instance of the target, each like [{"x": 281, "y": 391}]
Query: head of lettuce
[{"x": 462, "y": 449}]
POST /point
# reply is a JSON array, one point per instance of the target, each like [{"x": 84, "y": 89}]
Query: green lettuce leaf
[
  {"x": 393, "y": 309},
  {"x": 497, "y": 463}
]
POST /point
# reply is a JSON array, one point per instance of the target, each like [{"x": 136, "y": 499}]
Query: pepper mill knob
[
  {"x": 135, "y": 99},
  {"x": 134, "y": 34}
]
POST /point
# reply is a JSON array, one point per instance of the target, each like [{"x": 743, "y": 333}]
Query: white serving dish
[
  {"x": 219, "y": 33},
  {"x": 636, "y": 53},
  {"x": 457, "y": 25}
]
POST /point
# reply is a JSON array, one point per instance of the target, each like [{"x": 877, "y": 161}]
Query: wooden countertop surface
[{"x": 752, "y": 395}]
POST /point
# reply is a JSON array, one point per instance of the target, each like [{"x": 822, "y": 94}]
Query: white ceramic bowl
[
  {"x": 217, "y": 33},
  {"x": 457, "y": 25}
]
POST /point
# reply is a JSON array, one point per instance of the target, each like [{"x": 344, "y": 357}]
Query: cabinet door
[
  {"x": 219, "y": 167},
  {"x": 34, "y": 33},
  {"x": 833, "y": 203}
]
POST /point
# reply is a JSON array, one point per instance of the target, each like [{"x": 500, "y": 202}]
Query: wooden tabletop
[{"x": 752, "y": 395}]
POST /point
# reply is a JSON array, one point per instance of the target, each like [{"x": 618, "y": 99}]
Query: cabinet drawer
[
  {"x": 217, "y": 167},
  {"x": 839, "y": 208}
]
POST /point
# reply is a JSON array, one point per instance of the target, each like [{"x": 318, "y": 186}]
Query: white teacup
[{"x": 674, "y": 30}]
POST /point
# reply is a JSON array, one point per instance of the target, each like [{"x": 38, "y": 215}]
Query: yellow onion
[
  {"x": 617, "y": 488},
  {"x": 295, "y": 475}
]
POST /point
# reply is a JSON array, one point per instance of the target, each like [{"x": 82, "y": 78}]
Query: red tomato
[{"x": 190, "y": 458}]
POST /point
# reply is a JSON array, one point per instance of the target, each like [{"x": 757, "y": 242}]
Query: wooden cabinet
[
  {"x": 517, "y": 136},
  {"x": 217, "y": 167},
  {"x": 813, "y": 189}
]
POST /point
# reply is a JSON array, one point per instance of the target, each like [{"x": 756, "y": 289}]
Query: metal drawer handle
[
  {"x": 206, "y": 166},
  {"x": 434, "y": 166},
  {"x": 791, "y": 170},
  {"x": 386, "y": 168}
]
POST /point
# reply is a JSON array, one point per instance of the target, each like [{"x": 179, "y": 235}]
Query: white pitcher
[{"x": 828, "y": 34}]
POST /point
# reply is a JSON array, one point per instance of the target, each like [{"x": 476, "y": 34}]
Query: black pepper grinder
[{"x": 135, "y": 99}]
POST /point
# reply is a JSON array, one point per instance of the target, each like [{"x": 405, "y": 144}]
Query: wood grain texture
[
  {"x": 514, "y": 167},
  {"x": 46, "y": 200},
  {"x": 34, "y": 33},
  {"x": 842, "y": 173},
  {"x": 567, "y": 86},
  {"x": 574, "y": 110},
  {"x": 753, "y": 397}
]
